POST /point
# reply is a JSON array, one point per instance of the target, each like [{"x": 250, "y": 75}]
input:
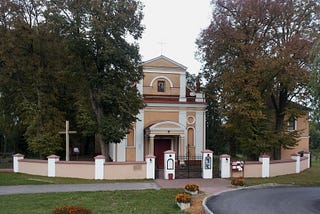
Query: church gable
[{"x": 163, "y": 62}]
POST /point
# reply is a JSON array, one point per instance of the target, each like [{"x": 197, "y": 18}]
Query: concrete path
[
  {"x": 208, "y": 186},
  {"x": 26, "y": 189}
]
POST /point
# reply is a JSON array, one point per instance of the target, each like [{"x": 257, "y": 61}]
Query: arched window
[{"x": 161, "y": 86}]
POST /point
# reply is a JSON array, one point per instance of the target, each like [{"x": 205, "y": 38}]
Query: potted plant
[
  {"x": 192, "y": 189},
  {"x": 183, "y": 200}
]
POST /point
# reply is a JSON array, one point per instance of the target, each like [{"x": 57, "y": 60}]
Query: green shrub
[{"x": 237, "y": 181}]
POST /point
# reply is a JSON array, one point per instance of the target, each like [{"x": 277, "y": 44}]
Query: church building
[{"x": 173, "y": 117}]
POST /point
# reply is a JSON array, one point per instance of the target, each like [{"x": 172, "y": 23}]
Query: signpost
[{"x": 67, "y": 132}]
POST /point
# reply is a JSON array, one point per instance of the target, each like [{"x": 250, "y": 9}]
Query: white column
[
  {"x": 16, "y": 159},
  {"x": 207, "y": 164},
  {"x": 225, "y": 166},
  {"x": 140, "y": 86},
  {"x": 121, "y": 150},
  {"x": 182, "y": 146},
  {"x": 297, "y": 158},
  {"x": 139, "y": 136},
  {"x": 52, "y": 159},
  {"x": 265, "y": 160},
  {"x": 169, "y": 164},
  {"x": 182, "y": 97},
  {"x": 99, "y": 167},
  {"x": 150, "y": 160},
  {"x": 151, "y": 144}
]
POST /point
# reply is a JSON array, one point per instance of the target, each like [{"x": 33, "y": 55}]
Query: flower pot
[
  {"x": 183, "y": 206},
  {"x": 191, "y": 192}
]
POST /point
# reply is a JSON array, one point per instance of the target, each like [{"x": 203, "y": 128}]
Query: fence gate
[
  {"x": 188, "y": 167},
  {"x": 216, "y": 167}
]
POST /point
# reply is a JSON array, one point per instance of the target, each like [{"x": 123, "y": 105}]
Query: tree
[
  {"x": 70, "y": 60},
  {"x": 105, "y": 64},
  {"x": 29, "y": 73},
  {"x": 256, "y": 56}
]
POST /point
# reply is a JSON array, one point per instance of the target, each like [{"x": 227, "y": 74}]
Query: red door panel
[{"x": 160, "y": 146}]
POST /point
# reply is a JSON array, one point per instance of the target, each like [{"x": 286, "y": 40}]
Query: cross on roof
[
  {"x": 67, "y": 132},
  {"x": 162, "y": 43}
]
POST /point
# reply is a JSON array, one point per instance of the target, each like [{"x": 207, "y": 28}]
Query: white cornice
[
  {"x": 177, "y": 105},
  {"x": 163, "y": 72}
]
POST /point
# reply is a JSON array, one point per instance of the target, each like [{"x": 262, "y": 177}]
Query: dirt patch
[{"x": 196, "y": 205}]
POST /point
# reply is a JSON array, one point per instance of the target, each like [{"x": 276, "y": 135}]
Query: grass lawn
[
  {"x": 10, "y": 178},
  {"x": 143, "y": 201}
]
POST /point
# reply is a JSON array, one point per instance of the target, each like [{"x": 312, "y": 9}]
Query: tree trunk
[
  {"x": 104, "y": 148},
  {"x": 279, "y": 107}
]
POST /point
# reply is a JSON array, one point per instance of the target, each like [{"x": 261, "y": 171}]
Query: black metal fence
[{"x": 188, "y": 167}]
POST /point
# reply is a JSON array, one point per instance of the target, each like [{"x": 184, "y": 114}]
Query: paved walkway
[{"x": 208, "y": 186}]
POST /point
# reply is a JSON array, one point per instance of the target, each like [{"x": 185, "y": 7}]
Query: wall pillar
[
  {"x": 169, "y": 165},
  {"x": 225, "y": 166},
  {"x": 265, "y": 160},
  {"x": 99, "y": 167},
  {"x": 207, "y": 164},
  {"x": 52, "y": 159},
  {"x": 151, "y": 163},
  {"x": 307, "y": 155},
  {"x": 16, "y": 159},
  {"x": 297, "y": 158}
]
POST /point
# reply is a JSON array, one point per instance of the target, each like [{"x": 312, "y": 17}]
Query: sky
[{"x": 171, "y": 29}]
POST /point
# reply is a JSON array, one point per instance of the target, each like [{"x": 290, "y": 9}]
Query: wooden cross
[{"x": 67, "y": 132}]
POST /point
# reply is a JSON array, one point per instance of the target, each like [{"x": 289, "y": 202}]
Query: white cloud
[{"x": 177, "y": 24}]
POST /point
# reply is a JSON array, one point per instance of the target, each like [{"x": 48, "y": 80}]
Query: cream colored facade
[{"x": 173, "y": 118}]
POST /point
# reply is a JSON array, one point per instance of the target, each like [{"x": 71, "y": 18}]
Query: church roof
[{"x": 163, "y": 61}]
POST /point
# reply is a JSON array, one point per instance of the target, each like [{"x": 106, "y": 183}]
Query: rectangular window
[
  {"x": 161, "y": 86},
  {"x": 292, "y": 124}
]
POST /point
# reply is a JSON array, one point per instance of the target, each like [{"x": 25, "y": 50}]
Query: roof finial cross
[{"x": 162, "y": 43}]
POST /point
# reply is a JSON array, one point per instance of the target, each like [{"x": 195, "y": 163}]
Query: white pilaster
[
  {"x": 139, "y": 138},
  {"x": 121, "y": 150},
  {"x": 52, "y": 159},
  {"x": 182, "y": 97},
  {"x": 265, "y": 160},
  {"x": 183, "y": 121},
  {"x": 16, "y": 159},
  {"x": 99, "y": 167},
  {"x": 199, "y": 143}
]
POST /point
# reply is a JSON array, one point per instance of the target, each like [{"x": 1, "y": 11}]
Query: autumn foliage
[{"x": 71, "y": 210}]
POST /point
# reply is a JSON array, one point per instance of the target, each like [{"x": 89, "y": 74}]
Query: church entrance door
[{"x": 160, "y": 146}]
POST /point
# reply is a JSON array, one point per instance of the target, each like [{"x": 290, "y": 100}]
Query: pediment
[
  {"x": 167, "y": 125},
  {"x": 163, "y": 62}
]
